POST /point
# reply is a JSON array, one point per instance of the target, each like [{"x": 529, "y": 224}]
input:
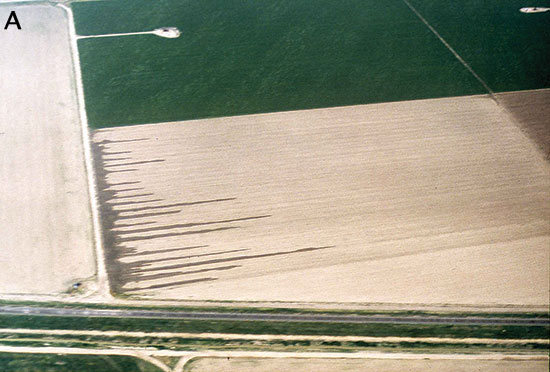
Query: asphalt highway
[{"x": 324, "y": 318}]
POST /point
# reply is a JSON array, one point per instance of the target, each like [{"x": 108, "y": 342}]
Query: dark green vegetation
[
  {"x": 250, "y": 56},
  {"x": 19, "y": 362},
  {"x": 265, "y": 327}
]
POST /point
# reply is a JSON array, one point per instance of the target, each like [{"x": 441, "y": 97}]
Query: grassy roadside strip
[
  {"x": 188, "y": 344},
  {"x": 168, "y": 337},
  {"x": 278, "y": 328},
  {"x": 260, "y": 310}
]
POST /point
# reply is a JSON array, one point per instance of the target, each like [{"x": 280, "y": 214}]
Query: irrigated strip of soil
[{"x": 531, "y": 109}]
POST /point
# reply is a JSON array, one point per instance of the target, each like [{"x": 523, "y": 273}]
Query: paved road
[{"x": 333, "y": 318}]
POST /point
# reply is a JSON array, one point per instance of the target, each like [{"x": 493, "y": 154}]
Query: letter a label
[{"x": 12, "y": 20}]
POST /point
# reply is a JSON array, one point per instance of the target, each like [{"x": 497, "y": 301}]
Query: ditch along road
[{"x": 281, "y": 317}]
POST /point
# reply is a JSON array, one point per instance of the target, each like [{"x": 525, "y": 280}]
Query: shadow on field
[{"x": 128, "y": 220}]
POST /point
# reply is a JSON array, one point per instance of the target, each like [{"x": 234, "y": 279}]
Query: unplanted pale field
[
  {"x": 440, "y": 201},
  {"x": 45, "y": 224},
  {"x": 362, "y": 365}
]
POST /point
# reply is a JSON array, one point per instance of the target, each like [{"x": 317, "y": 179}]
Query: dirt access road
[{"x": 45, "y": 219}]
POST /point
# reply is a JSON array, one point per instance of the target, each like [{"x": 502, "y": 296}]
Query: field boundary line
[
  {"x": 102, "y": 278},
  {"x": 451, "y": 49}
]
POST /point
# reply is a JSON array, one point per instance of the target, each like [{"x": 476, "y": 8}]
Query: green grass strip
[{"x": 263, "y": 327}]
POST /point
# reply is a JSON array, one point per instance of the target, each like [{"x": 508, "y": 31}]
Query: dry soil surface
[
  {"x": 439, "y": 201},
  {"x": 45, "y": 224},
  {"x": 358, "y": 365}
]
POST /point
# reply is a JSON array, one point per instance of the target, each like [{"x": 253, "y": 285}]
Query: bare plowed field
[
  {"x": 364, "y": 365},
  {"x": 433, "y": 201},
  {"x": 45, "y": 223},
  {"x": 358, "y": 365}
]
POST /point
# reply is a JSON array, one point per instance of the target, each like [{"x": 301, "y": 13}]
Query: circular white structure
[
  {"x": 169, "y": 32},
  {"x": 534, "y": 10}
]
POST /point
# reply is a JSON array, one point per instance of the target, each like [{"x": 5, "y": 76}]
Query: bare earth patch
[
  {"x": 45, "y": 224},
  {"x": 435, "y": 202},
  {"x": 361, "y": 365}
]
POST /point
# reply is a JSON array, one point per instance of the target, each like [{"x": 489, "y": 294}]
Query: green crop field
[
  {"x": 253, "y": 56},
  {"x": 20, "y": 362},
  {"x": 508, "y": 49}
]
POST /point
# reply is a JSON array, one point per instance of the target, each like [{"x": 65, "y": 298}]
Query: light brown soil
[
  {"x": 45, "y": 225},
  {"x": 358, "y": 365},
  {"x": 437, "y": 201},
  {"x": 531, "y": 109}
]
